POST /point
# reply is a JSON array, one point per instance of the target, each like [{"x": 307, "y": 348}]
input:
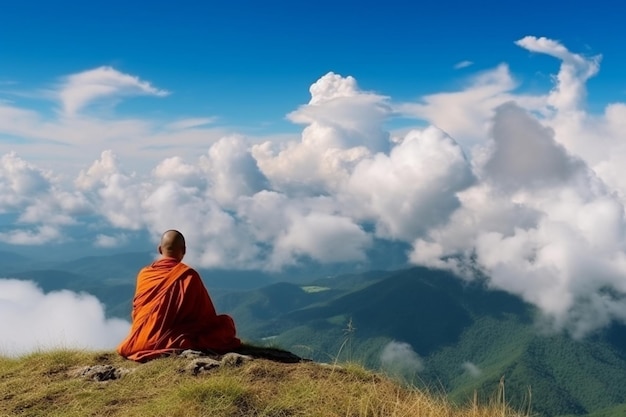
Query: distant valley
[{"x": 466, "y": 337}]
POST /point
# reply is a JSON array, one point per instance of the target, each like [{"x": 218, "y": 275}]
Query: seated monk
[{"x": 172, "y": 310}]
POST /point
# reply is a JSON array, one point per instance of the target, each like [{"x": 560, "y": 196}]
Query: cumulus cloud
[
  {"x": 323, "y": 237},
  {"x": 214, "y": 236},
  {"x": 527, "y": 188},
  {"x": 341, "y": 115},
  {"x": 525, "y": 153},
  {"x": 31, "y": 236},
  {"x": 79, "y": 90},
  {"x": 343, "y": 126},
  {"x": 175, "y": 169},
  {"x": 20, "y": 182},
  {"x": 399, "y": 358},
  {"x": 465, "y": 114},
  {"x": 106, "y": 166},
  {"x": 575, "y": 71},
  {"x": 34, "y": 320},
  {"x": 412, "y": 189},
  {"x": 41, "y": 206},
  {"x": 232, "y": 171},
  {"x": 540, "y": 222},
  {"x": 108, "y": 241},
  {"x": 226, "y": 204},
  {"x": 113, "y": 194}
]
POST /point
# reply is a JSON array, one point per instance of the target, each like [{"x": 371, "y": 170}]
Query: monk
[{"x": 172, "y": 310}]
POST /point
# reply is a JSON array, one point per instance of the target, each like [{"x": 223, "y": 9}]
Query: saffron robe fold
[{"x": 172, "y": 311}]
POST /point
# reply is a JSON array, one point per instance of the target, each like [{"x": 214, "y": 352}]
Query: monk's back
[{"x": 172, "y": 311}]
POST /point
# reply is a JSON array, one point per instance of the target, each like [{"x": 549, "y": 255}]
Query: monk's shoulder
[
  {"x": 189, "y": 271},
  {"x": 190, "y": 280},
  {"x": 145, "y": 274},
  {"x": 145, "y": 269}
]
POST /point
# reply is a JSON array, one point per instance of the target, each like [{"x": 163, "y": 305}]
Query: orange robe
[{"x": 172, "y": 311}]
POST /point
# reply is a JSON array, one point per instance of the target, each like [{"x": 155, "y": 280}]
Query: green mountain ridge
[
  {"x": 468, "y": 337},
  {"x": 452, "y": 325}
]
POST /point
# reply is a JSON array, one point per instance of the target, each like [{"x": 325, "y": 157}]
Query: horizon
[{"x": 274, "y": 138}]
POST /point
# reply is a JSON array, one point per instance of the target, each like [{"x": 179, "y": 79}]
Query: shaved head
[{"x": 172, "y": 244}]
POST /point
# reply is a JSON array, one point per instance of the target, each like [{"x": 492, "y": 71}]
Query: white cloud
[
  {"x": 113, "y": 194},
  {"x": 40, "y": 205},
  {"x": 214, "y": 236},
  {"x": 175, "y": 169},
  {"x": 107, "y": 241},
  {"x": 191, "y": 123},
  {"x": 32, "y": 320},
  {"x": 77, "y": 91},
  {"x": 75, "y": 140},
  {"x": 340, "y": 115},
  {"x": 472, "y": 369},
  {"x": 232, "y": 171},
  {"x": 410, "y": 190},
  {"x": 465, "y": 115},
  {"x": 37, "y": 236},
  {"x": 463, "y": 64},
  {"x": 21, "y": 183},
  {"x": 106, "y": 166},
  {"x": 400, "y": 358},
  {"x": 333, "y": 86},
  {"x": 574, "y": 72},
  {"x": 343, "y": 125},
  {"x": 323, "y": 237},
  {"x": 525, "y": 153},
  {"x": 541, "y": 225}
]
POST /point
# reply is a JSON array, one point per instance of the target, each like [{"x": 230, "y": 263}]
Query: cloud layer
[
  {"x": 32, "y": 320},
  {"x": 527, "y": 188}
]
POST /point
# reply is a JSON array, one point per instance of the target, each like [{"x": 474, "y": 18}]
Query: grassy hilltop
[{"x": 46, "y": 384}]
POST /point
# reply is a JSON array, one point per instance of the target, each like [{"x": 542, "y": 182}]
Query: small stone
[
  {"x": 191, "y": 354},
  {"x": 235, "y": 359},
  {"x": 197, "y": 366},
  {"x": 101, "y": 373}
]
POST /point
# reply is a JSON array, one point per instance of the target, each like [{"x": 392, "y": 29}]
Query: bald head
[{"x": 172, "y": 245}]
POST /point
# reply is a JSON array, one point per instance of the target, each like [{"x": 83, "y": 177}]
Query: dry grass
[{"x": 42, "y": 385}]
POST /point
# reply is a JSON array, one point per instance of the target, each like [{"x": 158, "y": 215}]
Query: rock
[
  {"x": 204, "y": 364},
  {"x": 192, "y": 354},
  {"x": 100, "y": 373},
  {"x": 235, "y": 359},
  {"x": 197, "y": 366}
]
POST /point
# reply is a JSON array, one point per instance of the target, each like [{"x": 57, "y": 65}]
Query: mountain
[
  {"x": 6, "y": 256},
  {"x": 109, "y": 267},
  {"x": 467, "y": 337},
  {"x": 11, "y": 262},
  {"x": 112, "y": 277},
  {"x": 54, "y": 279}
]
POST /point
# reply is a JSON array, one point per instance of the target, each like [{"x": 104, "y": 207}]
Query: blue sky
[
  {"x": 274, "y": 136},
  {"x": 251, "y": 63}
]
